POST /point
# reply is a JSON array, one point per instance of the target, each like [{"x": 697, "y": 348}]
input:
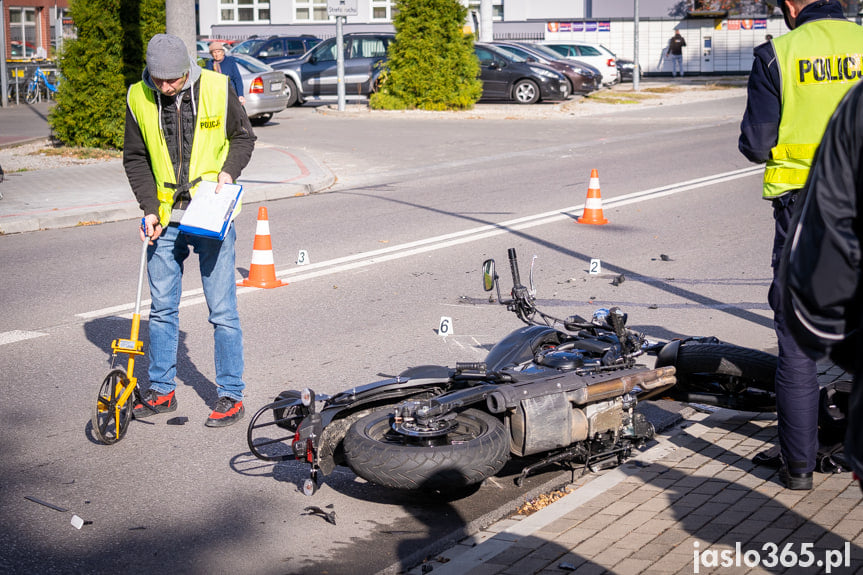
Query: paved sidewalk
[
  {"x": 692, "y": 503},
  {"x": 94, "y": 193}
]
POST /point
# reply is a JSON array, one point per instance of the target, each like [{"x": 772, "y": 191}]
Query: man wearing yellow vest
[
  {"x": 797, "y": 80},
  {"x": 181, "y": 128}
]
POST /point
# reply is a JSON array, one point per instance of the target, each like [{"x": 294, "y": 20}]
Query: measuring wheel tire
[
  {"x": 109, "y": 427},
  {"x": 476, "y": 449}
]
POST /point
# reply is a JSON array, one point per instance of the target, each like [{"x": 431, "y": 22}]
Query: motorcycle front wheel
[{"x": 475, "y": 449}]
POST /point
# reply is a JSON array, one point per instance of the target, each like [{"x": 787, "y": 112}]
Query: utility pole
[
  {"x": 486, "y": 29},
  {"x": 4, "y": 78},
  {"x": 636, "y": 67},
  {"x": 180, "y": 21}
]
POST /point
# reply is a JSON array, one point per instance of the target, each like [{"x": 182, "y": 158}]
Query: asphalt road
[{"x": 394, "y": 246}]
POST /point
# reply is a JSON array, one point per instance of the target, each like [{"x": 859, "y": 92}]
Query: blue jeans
[
  {"x": 165, "y": 269},
  {"x": 676, "y": 64}
]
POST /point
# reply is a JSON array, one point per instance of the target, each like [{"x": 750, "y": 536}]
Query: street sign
[{"x": 342, "y": 7}]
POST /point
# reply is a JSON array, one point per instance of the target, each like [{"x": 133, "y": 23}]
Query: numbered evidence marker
[
  {"x": 595, "y": 266},
  {"x": 445, "y": 327},
  {"x": 302, "y": 258}
]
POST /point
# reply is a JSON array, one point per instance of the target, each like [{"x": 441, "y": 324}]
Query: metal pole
[
  {"x": 340, "y": 62},
  {"x": 486, "y": 29},
  {"x": 180, "y": 22},
  {"x": 4, "y": 78},
  {"x": 636, "y": 67}
]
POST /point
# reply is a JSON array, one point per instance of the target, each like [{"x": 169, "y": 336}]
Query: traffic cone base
[
  {"x": 262, "y": 271},
  {"x": 593, "y": 206}
]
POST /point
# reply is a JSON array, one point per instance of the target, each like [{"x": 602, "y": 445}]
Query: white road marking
[
  {"x": 355, "y": 261},
  {"x": 18, "y": 335}
]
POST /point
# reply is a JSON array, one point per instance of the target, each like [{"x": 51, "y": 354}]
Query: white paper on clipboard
[{"x": 210, "y": 214}]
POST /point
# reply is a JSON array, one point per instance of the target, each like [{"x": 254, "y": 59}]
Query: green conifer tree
[
  {"x": 98, "y": 66},
  {"x": 431, "y": 65}
]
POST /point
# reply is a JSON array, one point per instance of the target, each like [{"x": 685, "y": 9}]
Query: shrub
[{"x": 431, "y": 65}]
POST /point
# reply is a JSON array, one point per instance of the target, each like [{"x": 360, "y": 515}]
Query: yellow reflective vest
[
  {"x": 818, "y": 64},
  {"x": 209, "y": 146}
]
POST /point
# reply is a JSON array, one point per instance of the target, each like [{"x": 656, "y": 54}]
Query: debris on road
[
  {"x": 329, "y": 516},
  {"x": 46, "y": 504}
]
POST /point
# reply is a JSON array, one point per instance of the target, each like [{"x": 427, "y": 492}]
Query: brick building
[{"x": 35, "y": 28}]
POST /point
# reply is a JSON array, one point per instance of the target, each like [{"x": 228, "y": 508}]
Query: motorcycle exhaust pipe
[{"x": 648, "y": 380}]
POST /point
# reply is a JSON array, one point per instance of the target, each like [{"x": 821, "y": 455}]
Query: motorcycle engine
[{"x": 566, "y": 360}]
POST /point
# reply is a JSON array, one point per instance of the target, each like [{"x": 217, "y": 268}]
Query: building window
[
  {"x": 253, "y": 11},
  {"x": 383, "y": 10},
  {"x": 496, "y": 8},
  {"x": 311, "y": 10},
  {"x": 23, "y": 32}
]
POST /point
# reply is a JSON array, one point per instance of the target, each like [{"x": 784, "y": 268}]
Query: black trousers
[{"x": 797, "y": 392}]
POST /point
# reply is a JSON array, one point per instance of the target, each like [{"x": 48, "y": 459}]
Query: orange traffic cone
[
  {"x": 593, "y": 206},
  {"x": 262, "y": 272}
]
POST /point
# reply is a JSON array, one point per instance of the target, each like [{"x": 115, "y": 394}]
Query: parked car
[
  {"x": 264, "y": 88},
  {"x": 506, "y": 76},
  {"x": 596, "y": 55},
  {"x": 582, "y": 78},
  {"x": 314, "y": 75},
  {"x": 625, "y": 69},
  {"x": 269, "y": 50}
]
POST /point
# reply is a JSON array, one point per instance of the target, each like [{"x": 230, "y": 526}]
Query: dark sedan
[
  {"x": 583, "y": 78},
  {"x": 506, "y": 76},
  {"x": 625, "y": 69}
]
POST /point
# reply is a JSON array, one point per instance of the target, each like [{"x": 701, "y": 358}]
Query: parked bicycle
[{"x": 39, "y": 86}]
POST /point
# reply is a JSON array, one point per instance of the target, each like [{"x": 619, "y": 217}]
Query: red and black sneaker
[
  {"x": 226, "y": 412},
  {"x": 156, "y": 403}
]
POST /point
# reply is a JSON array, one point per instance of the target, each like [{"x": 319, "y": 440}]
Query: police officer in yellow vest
[
  {"x": 183, "y": 126},
  {"x": 796, "y": 82}
]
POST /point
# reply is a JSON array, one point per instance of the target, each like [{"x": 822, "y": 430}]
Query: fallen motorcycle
[{"x": 562, "y": 391}]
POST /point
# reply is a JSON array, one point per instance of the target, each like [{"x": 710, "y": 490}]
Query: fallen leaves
[{"x": 541, "y": 502}]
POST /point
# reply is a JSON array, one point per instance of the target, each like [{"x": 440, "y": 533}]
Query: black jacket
[
  {"x": 822, "y": 264},
  {"x": 179, "y": 127},
  {"x": 759, "y": 130}
]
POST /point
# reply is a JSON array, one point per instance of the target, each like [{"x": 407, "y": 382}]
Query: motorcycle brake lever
[{"x": 532, "y": 290}]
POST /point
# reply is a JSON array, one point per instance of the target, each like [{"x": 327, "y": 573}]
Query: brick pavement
[{"x": 675, "y": 509}]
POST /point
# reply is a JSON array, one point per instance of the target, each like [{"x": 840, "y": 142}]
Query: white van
[{"x": 596, "y": 55}]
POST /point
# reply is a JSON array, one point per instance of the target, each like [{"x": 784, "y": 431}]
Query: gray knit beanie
[{"x": 167, "y": 57}]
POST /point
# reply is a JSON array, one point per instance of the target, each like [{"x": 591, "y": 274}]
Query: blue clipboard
[{"x": 210, "y": 214}]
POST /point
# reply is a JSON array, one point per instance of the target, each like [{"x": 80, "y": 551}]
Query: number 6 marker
[{"x": 445, "y": 327}]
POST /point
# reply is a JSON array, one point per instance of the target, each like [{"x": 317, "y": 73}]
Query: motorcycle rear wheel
[
  {"x": 726, "y": 375},
  {"x": 476, "y": 449}
]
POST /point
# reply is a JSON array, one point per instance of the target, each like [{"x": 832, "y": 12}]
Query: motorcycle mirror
[{"x": 488, "y": 275}]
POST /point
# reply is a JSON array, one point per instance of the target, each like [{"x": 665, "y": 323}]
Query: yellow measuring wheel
[{"x": 119, "y": 391}]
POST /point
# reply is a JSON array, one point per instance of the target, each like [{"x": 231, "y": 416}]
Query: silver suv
[{"x": 313, "y": 76}]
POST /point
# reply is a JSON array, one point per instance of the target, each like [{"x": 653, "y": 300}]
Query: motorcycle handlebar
[{"x": 513, "y": 266}]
